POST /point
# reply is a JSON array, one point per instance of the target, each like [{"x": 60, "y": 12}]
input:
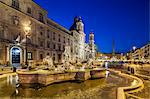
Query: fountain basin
[
  {"x": 97, "y": 74},
  {"x": 46, "y": 78},
  {"x": 82, "y": 75}
]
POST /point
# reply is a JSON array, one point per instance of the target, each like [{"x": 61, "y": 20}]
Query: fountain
[{"x": 62, "y": 72}]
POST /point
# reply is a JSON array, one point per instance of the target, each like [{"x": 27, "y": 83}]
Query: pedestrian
[{"x": 14, "y": 69}]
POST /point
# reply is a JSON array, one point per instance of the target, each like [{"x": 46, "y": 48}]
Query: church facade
[
  {"x": 45, "y": 37},
  {"x": 82, "y": 50}
]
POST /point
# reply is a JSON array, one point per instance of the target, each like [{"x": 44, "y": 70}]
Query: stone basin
[
  {"x": 45, "y": 78},
  {"x": 97, "y": 74}
]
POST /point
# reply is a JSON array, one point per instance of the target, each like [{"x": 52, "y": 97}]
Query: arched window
[{"x": 15, "y": 4}]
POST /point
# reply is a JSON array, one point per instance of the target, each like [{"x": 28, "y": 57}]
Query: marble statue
[
  {"x": 18, "y": 39},
  {"x": 67, "y": 58},
  {"x": 82, "y": 68},
  {"x": 89, "y": 62},
  {"x": 48, "y": 60}
]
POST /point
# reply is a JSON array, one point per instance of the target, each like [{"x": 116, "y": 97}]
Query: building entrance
[{"x": 15, "y": 52}]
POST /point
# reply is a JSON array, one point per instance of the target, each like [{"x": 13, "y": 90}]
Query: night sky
[{"x": 125, "y": 21}]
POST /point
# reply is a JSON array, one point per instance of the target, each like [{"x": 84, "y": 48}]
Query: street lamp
[{"x": 27, "y": 30}]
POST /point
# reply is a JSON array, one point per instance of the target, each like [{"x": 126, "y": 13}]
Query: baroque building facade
[{"x": 45, "y": 37}]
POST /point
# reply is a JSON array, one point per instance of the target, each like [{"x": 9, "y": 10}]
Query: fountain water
[
  {"x": 107, "y": 72},
  {"x": 106, "y": 65}
]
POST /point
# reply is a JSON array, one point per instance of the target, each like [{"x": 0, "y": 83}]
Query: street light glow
[{"x": 27, "y": 29}]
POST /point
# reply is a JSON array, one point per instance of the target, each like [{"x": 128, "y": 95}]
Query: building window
[
  {"x": 48, "y": 34},
  {"x": 54, "y": 36},
  {"x": 54, "y": 46},
  {"x": 29, "y": 56},
  {"x": 41, "y": 18},
  {"x": 71, "y": 50},
  {"x": 64, "y": 40},
  {"x": 41, "y": 33},
  {"x": 41, "y": 56},
  {"x": 41, "y": 27},
  {"x": 59, "y": 47},
  {"x": 48, "y": 45},
  {"x": 63, "y": 47},
  {"x": 59, "y": 38},
  {"x": 41, "y": 43},
  {"x": 29, "y": 10},
  {"x": 1, "y": 32},
  {"x": 53, "y": 57},
  {"x": 15, "y": 4},
  {"x": 68, "y": 41},
  {"x": 59, "y": 57}
]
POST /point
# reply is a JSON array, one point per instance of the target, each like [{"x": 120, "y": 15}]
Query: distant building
[
  {"x": 145, "y": 51},
  {"x": 139, "y": 53},
  {"x": 46, "y": 37},
  {"x": 111, "y": 55}
]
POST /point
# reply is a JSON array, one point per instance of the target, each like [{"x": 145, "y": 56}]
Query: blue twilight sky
[{"x": 127, "y": 21}]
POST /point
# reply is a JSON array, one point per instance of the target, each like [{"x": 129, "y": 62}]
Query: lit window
[{"x": 29, "y": 56}]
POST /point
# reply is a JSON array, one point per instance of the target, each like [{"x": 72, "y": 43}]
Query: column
[
  {"x": 8, "y": 54},
  {"x": 24, "y": 51}
]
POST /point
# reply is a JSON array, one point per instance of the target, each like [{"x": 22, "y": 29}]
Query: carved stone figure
[
  {"x": 16, "y": 20},
  {"x": 48, "y": 60},
  {"x": 67, "y": 53}
]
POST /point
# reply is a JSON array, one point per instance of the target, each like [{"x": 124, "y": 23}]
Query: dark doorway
[{"x": 15, "y": 56}]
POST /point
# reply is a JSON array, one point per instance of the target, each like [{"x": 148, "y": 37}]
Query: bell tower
[
  {"x": 92, "y": 45},
  {"x": 80, "y": 25}
]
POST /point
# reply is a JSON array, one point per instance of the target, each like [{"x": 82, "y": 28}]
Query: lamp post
[{"x": 27, "y": 30}]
